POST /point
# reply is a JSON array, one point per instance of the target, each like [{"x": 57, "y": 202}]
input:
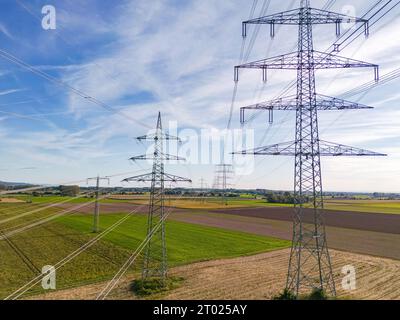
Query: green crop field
[
  {"x": 50, "y": 243},
  {"x": 186, "y": 242},
  {"x": 372, "y": 206}
]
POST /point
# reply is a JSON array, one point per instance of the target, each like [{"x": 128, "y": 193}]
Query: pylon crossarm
[
  {"x": 331, "y": 103},
  {"x": 163, "y": 157},
  {"x": 286, "y": 148},
  {"x": 142, "y": 178},
  {"x": 322, "y": 60},
  {"x": 161, "y": 136},
  {"x": 323, "y": 103},
  {"x": 173, "y": 178},
  {"x": 326, "y": 149},
  {"x": 335, "y": 150},
  {"x": 149, "y": 178},
  {"x": 100, "y": 178},
  {"x": 293, "y": 17}
]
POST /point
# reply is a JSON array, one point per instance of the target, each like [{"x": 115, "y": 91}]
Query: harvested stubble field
[
  {"x": 258, "y": 277},
  {"x": 255, "y": 277}
]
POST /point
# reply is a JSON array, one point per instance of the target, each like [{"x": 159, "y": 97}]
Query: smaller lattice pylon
[
  {"x": 155, "y": 264},
  {"x": 203, "y": 189},
  {"x": 224, "y": 173}
]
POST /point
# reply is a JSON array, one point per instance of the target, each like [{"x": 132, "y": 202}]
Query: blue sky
[{"x": 177, "y": 57}]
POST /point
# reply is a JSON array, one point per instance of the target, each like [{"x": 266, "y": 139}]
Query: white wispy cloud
[
  {"x": 5, "y": 31},
  {"x": 10, "y": 91},
  {"x": 183, "y": 56}
]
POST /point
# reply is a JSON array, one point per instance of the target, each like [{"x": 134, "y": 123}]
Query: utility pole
[
  {"x": 96, "y": 215},
  {"x": 155, "y": 256},
  {"x": 310, "y": 264}
]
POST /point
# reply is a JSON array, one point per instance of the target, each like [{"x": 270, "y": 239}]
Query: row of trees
[
  {"x": 274, "y": 197},
  {"x": 282, "y": 197}
]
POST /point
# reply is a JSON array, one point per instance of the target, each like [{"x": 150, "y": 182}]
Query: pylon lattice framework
[
  {"x": 155, "y": 264},
  {"x": 310, "y": 264},
  {"x": 223, "y": 174}
]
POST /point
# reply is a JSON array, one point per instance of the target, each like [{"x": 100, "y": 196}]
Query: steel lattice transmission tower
[
  {"x": 223, "y": 174},
  {"x": 310, "y": 266},
  {"x": 203, "y": 189},
  {"x": 155, "y": 257}
]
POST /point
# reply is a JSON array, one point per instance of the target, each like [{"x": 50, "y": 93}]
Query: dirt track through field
[
  {"x": 377, "y": 222},
  {"x": 259, "y": 277}
]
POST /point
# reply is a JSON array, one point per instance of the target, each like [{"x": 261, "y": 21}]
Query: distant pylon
[
  {"x": 96, "y": 214},
  {"x": 202, "y": 189},
  {"x": 155, "y": 257},
  {"x": 310, "y": 265},
  {"x": 223, "y": 174}
]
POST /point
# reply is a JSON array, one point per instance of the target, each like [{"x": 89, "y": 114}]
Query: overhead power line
[
  {"x": 19, "y": 292},
  {"x": 80, "y": 93},
  {"x": 392, "y": 75},
  {"x": 339, "y": 46}
]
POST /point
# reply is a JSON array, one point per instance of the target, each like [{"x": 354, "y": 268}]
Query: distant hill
[{"x": 14, "y": 184}]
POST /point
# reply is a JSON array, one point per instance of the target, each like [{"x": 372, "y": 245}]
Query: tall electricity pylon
[
  {"x": 223, "y": 173},
  {"x": 310, "y": 264},
  {"x": 155, "y": 257},
  {"x": 96, "y": 214},
  {"x": 203, "y": 186}
]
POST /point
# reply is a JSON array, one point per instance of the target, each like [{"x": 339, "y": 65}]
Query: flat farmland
[
  {"x": 368, "y": 206},
  {"x": 387, "y": 223},
  {"x": 368, "y": 233},
  {"x": 25, "y": 253},
  {"x": 201, "y": 203},
  {"x": 210, "y": 203},
  {"x": 258, "y": 277},
  {"x": 373, "y": 206},
  {"x": 352, "y": 240},
  {"x": 205, "y": 245}
]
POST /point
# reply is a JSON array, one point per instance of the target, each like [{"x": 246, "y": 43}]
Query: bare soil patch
[{"x": 378, "y": 222}]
